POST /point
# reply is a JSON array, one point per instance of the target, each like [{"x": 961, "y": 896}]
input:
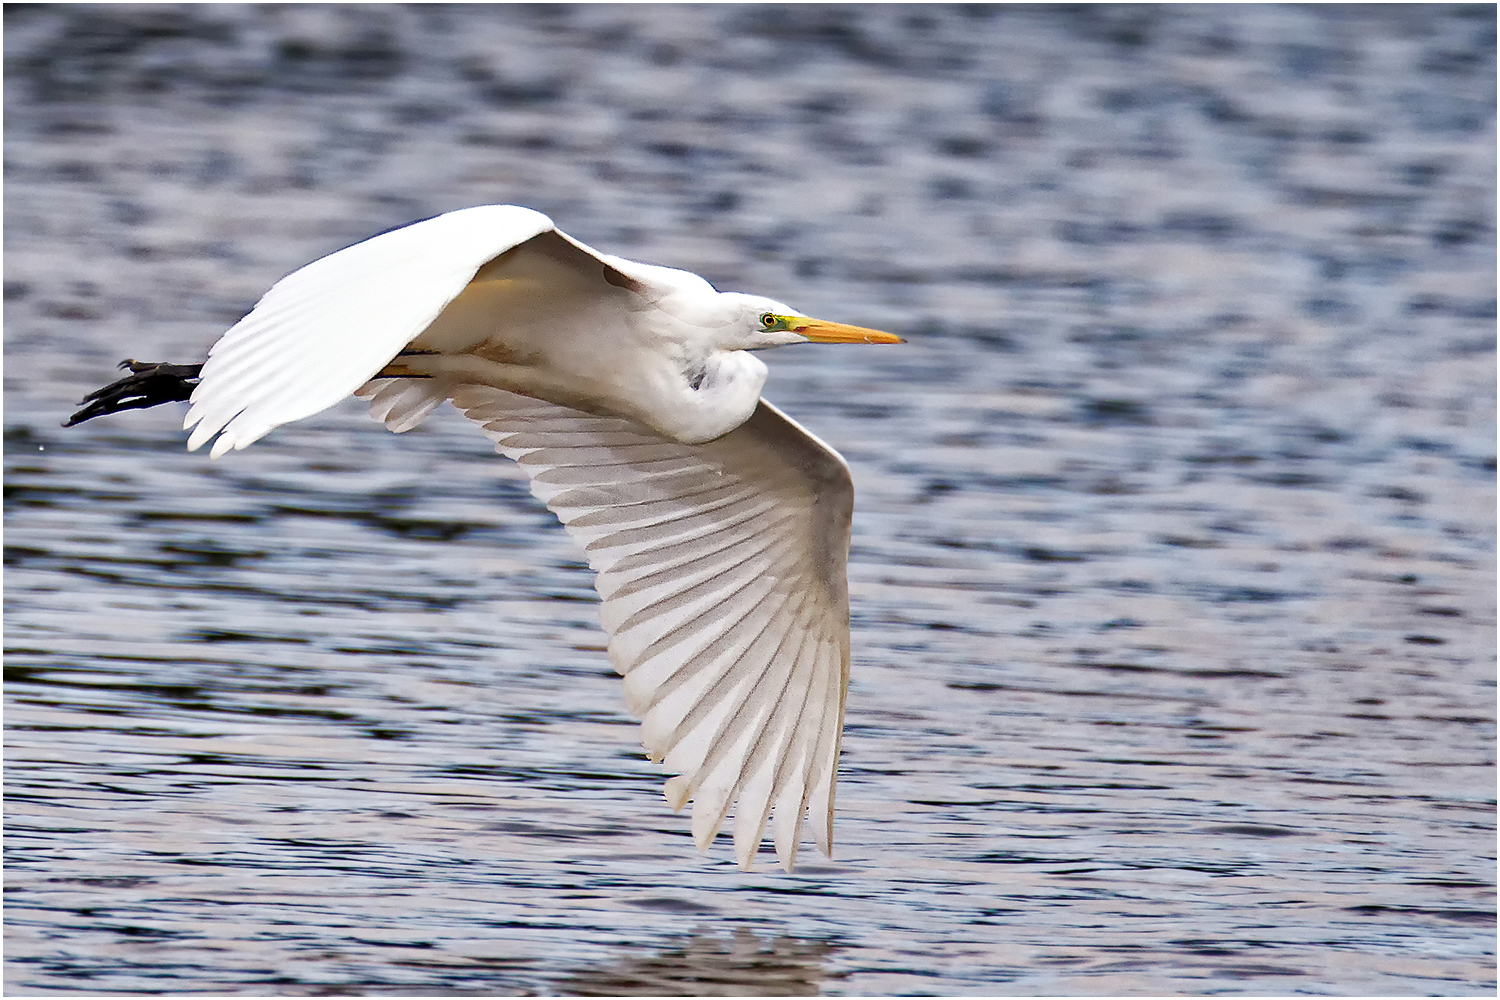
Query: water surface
[{"x": 1172, "y": 573}]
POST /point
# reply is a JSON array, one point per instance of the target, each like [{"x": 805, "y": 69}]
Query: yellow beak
[{"x": 823, "y": 332}]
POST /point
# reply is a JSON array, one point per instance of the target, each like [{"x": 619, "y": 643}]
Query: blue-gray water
[{"x": 1172, "y": 575}]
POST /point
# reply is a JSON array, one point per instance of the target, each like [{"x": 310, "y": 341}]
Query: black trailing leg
[{"x": 147, "y": 385}]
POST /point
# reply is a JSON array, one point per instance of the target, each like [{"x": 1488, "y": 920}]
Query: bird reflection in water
[{"x": 713, "y": 966}]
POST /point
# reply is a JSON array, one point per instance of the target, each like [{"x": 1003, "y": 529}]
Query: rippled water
[{"x": 1172, "y": 575}]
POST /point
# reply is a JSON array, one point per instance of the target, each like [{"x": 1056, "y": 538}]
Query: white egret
[{"x": 718, "y": 527}]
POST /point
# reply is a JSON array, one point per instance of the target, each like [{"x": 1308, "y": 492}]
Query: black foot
[{"x": 147, "y": 385}]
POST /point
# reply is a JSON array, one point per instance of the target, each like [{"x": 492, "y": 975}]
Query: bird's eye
[{"x": 768, "y": 321}]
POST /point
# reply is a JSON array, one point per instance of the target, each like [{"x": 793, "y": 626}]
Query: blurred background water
[{"x": 1172, "y": 572}]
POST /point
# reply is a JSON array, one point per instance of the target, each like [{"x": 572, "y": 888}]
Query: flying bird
[{"x": 717, "y": 526}]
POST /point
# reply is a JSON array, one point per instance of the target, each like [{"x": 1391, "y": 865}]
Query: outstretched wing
[
  {"x": 325, "y": 329},
  {"x": 722, "y": 571}
]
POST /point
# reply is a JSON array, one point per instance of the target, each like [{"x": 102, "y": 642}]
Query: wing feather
[
  {"x": 675, "y": 660},
  {"x": 617, "y": 584},
  {"x": 666, "y": 664},
  {"x": 722, "y": 572},
  {"x": 820, "y": 799},
  {"x": 758, "y": 681},
  {"x": 731, "y": 667},
  {"x": 402, "y": 404},
  {"x": 325, "y": 329},
  {"x": 695, "y": 593},
  {"x": 703, "y": 498},
  {"x": 759, "y": 788}
]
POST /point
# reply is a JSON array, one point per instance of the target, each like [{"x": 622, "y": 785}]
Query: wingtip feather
[{"x": 677, "y": 791}]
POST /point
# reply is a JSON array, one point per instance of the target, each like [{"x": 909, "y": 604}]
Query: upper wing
[
  {"x": 722, "y": 572},
  {"x": 325, "y": 329}
]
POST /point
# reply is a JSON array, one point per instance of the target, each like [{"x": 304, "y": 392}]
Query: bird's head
[{"x": 766, "y": 323}]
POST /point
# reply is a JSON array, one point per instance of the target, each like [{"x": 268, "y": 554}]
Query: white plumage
[{"x": 718, "y": 528}]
